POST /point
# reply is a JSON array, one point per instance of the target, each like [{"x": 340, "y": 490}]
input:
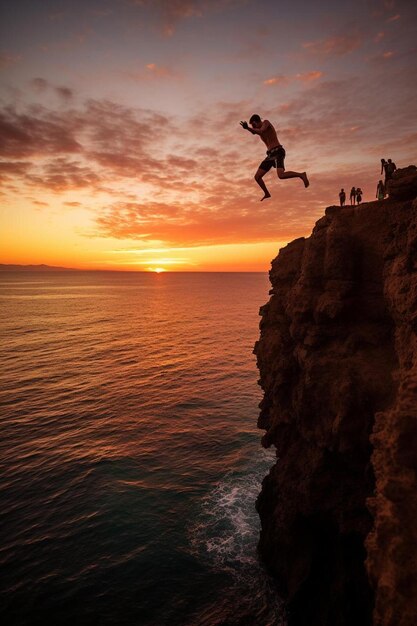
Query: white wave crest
[{"x": 227, "y": 529}]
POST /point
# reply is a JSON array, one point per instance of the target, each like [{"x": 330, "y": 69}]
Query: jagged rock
[
  {"x": 403, "y": 184},
  {"x": 337, "y": 356}
]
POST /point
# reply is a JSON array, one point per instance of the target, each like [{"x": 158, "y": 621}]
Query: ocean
[{"x": 130, "y": 457}]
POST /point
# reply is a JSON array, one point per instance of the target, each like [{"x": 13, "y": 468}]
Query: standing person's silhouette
[
  {"x": 390, "y": 168},
  {"x": 342, "y": 197},
  {"x": 380, "y": 190},
  {"x": 353, "y": 196},
  {"x": 275, "y": 153},
  {"x": 359, "y": 193}
]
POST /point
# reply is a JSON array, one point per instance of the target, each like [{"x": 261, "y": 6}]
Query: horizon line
[{"x": 4, "y": 267}]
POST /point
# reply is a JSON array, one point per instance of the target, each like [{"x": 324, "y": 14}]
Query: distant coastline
[{"x": 41, "y": 267}]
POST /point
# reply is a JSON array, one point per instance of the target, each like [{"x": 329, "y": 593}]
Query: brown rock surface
[
  {"x": 403, "y": 184},
  {"x": 337, "y": 357}
]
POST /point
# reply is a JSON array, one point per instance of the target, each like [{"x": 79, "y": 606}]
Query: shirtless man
[{"x": 275, "y": 153}]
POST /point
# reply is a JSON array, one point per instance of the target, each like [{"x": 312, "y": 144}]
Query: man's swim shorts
[{"x": 274, "y": 158}]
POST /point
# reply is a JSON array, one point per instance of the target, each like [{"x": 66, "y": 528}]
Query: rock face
[
  {"x": 403, "y": 184},
  {"x": 337, "y": 356}
]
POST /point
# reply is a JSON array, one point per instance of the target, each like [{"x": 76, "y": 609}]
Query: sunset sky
[{"x": 120, "y": 139}]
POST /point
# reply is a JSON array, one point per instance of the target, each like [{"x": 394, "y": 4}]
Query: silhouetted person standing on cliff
[
  {"x": 380, "y": 190},
  {"x": 353, "y": 196},
  {"x": 342, "y": 197},
  {"x": 275, "y": 153},
  {"x": 389, "y": 170},
  {"x": 359, "y": 193}
]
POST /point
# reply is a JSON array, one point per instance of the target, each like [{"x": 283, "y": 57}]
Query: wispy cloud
[
  {"x": 65, "y": 93},
  {"x": 278, "y": 80},
  {"x": 151, "y": 72},
  {"x": 39, "y": 203},
  {"x": 8, "y": 60},
  {"x": 39, "y": 84},
  {"x": 61, "y": 174},
  {"x": 282, "y": 80},
  {"x": 308, "y": 77},
  {"x": 171, "y": 12},
  {"x": 158, "y": 70},
  {"x": 334, "y": 46},
  {"x": 394, "y": 18}
]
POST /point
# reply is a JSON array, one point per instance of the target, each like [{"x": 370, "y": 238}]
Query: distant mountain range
[{"x": 30, "y": 268}]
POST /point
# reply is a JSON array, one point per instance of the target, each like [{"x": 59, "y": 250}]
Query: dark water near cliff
[{"x": 130, "y": 459}]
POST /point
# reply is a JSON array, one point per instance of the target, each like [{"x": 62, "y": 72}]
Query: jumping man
[{"x": 275, "y": 153}]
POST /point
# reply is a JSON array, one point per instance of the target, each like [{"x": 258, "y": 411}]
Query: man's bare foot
[
  {"x": 305, "y": 179},
  {"x": 266, "y": 196}
]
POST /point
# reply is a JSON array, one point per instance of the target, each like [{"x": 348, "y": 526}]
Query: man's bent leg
[
  {"x": 258, "y": 177},
  {"x": 282, "y": 174}
]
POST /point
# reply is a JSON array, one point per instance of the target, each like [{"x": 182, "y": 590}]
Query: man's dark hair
[{"x": 254, "y": 118}]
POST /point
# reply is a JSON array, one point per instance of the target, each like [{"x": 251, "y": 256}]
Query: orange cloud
[
  {"x": 192, "y": 225},
  {"x": 307, "y": 77},
  {"x": 23, "y": 135},
  {"x": 285, "y": 80},
  {"x": 152, "y": 71},
  {"x": 13, "y": 169},
  {"x": 61, "y": 174},
  {"x": 159, "y": 70},
  {"x": 277, "y": 80},
  {"x": 333, "y": 46}
]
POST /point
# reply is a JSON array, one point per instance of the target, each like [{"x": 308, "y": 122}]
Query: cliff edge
[{"x": 337, "y": 357}]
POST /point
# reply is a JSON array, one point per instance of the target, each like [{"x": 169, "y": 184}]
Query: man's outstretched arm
[{"x": 255, "y": 131}]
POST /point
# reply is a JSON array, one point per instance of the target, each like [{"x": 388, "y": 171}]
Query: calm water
[{"x": 130, "y": 458}]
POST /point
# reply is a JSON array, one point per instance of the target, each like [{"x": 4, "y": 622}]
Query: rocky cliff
[{"x": 337, "y": 356}]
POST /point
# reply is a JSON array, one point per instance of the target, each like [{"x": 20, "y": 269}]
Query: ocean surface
[{"x": 130, "y": 458}]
